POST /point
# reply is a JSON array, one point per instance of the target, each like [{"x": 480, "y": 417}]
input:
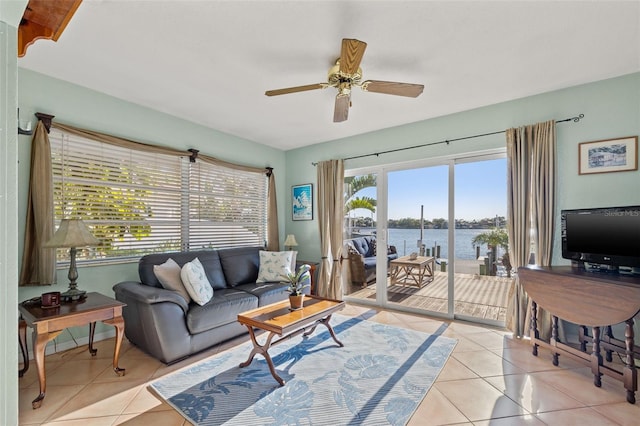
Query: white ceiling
[{"x": 210, "y": 62}]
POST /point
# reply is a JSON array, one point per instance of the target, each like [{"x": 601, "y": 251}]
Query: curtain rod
[{"x": 447, "y": 141}]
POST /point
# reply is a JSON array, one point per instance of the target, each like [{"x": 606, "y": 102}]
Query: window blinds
[
  {"x": 136, "y": 202},
  {"x": 227, "y": 207}
]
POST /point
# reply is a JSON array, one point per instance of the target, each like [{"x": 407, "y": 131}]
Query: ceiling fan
[{"x": 347, "y": 73}]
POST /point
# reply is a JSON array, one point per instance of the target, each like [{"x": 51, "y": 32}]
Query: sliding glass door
[
  {"x": 481, "y": 282},
  {"x": 450, "y": 215},
  {"x": 360, "y": 221},
  {"x": 417, "y": 212}
]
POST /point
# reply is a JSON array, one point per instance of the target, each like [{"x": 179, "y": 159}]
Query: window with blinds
[{"x": 136, "y": 202}]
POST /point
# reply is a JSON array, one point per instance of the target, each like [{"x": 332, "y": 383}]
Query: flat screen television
[{"x": 607, "y": 236}]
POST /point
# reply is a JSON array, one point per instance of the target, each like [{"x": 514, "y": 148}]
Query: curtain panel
[
  {"x": 39, "y": 263},
  {"x": 530, "y": 210},
  {"x": 273, "y": 239},
  {"x": 330, "y": 217}
]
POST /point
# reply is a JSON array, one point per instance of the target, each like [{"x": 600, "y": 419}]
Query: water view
[{"x": 406, "y": 241}]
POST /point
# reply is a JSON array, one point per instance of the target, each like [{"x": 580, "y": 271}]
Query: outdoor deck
[{"x": 475, "y": 295}]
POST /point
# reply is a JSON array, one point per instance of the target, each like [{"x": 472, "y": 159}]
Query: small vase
[{"x": 296, "y": 302}]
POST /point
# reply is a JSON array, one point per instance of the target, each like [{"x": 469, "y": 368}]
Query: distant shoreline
[
  {"x": 364, "y": 228},
  {"x": 405, "y": 240},
  {"x": 390, "y": 227}
]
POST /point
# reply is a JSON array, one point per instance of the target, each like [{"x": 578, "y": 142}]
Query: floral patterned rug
[{"x": 379, "y": 377}]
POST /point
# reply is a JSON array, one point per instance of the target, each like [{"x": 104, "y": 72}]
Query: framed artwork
[
  {"x": 302, "y": 201},
  {"x": 611, "y": 155}
]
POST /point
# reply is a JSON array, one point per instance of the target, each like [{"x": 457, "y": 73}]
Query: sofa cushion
[
  {"x": 275, "y": 265},
  {"x": 369, "y": 262},
  {"x": 240, "y": 265},
  {"x": 209, "y": 259},
  {"x": 222, "y": 309},
  {"x": 361, "y": 245},
  {"x": 169, "y": 276},
  {"x": 266, "y": 293},
  {"x": 196, "y": 282},
  {"x": 213, "y": 269}
]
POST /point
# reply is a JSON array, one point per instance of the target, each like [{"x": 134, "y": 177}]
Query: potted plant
[
  {"x": 496, "y": 237},
  {"x": 296, "y": 284}
]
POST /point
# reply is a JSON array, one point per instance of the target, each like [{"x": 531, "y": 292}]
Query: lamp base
[{"x": 73, "y": 294}]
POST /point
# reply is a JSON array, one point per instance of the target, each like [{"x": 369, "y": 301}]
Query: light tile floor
[{"x": 490, "y": 379}]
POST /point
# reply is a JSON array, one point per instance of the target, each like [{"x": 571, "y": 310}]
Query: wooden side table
[
  {"x": 47, "y": 323},
  {"x": 589, "y": 299}
]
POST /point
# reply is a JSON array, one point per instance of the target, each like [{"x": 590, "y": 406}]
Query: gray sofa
[
  {"x": 362, "y": 258},
  {"x": 163, "y": 324}
]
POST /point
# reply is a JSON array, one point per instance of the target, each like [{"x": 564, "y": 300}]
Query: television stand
[{"x": 589, "y": 300}]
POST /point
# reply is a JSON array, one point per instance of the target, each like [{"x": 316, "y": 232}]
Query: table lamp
[
  {"x": 72, "y": 233},
  {"x": 290, "y": 241}
]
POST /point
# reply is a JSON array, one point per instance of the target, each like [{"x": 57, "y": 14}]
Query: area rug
[{"x": 379, "y": 377}]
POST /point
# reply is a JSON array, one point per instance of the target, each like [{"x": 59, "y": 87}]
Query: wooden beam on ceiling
[{"x": 44, "y": 19}]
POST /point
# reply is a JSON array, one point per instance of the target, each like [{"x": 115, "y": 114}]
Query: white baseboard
[{"x": 55, "y": 347}]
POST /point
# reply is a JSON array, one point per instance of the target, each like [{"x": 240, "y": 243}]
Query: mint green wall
[
  {"x": 611, "y": 108},
  {"x": 85, "y": 108},
  {"x": 10, "y": 15}
]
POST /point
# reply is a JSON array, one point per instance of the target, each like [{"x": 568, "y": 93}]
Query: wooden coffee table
[
  {"x": 279, "y": 320},
  {"x": 47, "y": 323},
  {"x": 415, "y": 272}
]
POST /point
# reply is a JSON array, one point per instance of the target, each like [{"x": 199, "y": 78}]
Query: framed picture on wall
[
  {"x": 611, "y": 155},
  {"x": 302, "y": 201}
]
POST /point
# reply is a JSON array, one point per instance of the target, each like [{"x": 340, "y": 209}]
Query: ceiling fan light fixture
[
  {"x": 344, "y": 89},
  {"x": 335, "y": 75},
  {"x": 346, "y": 73}
]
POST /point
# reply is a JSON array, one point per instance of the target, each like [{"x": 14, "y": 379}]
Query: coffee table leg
[
  {"x": 325, "y": 322},
  {"x": 262, "y": 350}
]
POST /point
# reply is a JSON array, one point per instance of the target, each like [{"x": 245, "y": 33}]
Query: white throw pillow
[
  {"x": 196, "y": 282},
  {"x": 169, "y": 276},
  {"x": 275, "y": 264}
]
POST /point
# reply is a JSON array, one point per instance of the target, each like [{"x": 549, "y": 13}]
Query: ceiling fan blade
[
  {"x": 295, "y": 89},
  {"x": 351, "y": 55},
  {"x": 341, "y": 110},
  {"x": 393, "y": 88}
]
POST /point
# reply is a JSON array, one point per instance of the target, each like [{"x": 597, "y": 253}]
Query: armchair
[{"x": 362, "y": 253}]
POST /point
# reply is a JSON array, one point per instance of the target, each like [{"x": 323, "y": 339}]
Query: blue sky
[{"x": 481, "y": 189}]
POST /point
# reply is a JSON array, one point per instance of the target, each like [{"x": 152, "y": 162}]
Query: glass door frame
[
  {"x": 494, "y": 154},
  {"x": 381, "y": 172}
]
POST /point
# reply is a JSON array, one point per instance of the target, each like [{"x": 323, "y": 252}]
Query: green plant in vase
[{"x": 296, "y": 284}]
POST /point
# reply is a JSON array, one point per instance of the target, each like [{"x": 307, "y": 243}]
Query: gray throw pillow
[{"x": 169, "y": 276}]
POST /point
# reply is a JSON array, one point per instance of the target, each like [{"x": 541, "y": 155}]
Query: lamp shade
[
  {"x": 72, "y": 233},
  {"x": 290, "y": 240}
]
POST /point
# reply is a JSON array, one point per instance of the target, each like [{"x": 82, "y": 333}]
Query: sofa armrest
[
  {"x": 356, "y": 264},
  {"x": 149, "y": 295},
  {"x": 155, "y": 320}
]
